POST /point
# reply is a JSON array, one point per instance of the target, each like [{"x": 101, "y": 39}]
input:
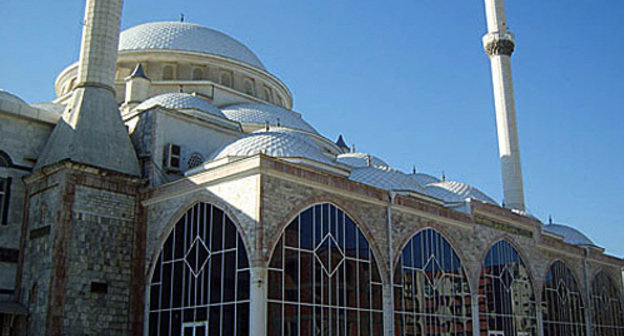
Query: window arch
[
  {"x": 507, "y": 302},
  {"x": 249, "y": 87},
  {"x": 200, "y": 282},
  {"x": 323, "y": 278},
  {"x": 198, "y": 74},
  {"x": 195, "y": 160},
  {"x": 225, "y": 79},
  {"x": 168, "y": 72},
  {"x": 563, "y": 310},
  {"x": 431, "y": 291},
  {"x": 608, "y": 317}
]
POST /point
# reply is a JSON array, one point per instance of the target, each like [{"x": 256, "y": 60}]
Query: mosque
[{"x": 171, "y": 189}]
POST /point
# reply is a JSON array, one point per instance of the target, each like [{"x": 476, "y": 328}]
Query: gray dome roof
[
  {"x": 9, "y": 97},
  {"x": 359, "y": 160},
  {"x": 262, "y": 113},
  {"x": 424, "y": 179},
  {"x": 385, "y": 178},
  {"x": 453, "y": 191},
  {"x": 570, "y": 235},
  {"x": 184, "y": 36},
  {"x": 180, "y": 101},
  {"x": 276, "y": 144}
]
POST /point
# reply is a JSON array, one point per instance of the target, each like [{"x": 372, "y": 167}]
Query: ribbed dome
[
  {"x": 570, "y": 235},
  {"x": 180, "y": 101},
  {"x": 453, "y": 191},
  {"x": 262, "y": 113},
  {"x": 276, "y": 144},
  {"x": 185, "y": 37},
  {"x": 358, "y": 160},
  {"x": 424, "y": 179},
  {"x": 385, "y": 178}
]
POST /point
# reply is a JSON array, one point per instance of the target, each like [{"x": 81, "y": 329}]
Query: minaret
[
  {"x": 499, "y": 45},
  {"x": 91, "y": 130}
]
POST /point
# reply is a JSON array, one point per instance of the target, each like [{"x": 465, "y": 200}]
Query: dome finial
[
  {"x": 266, "y": 125},
  {"x": 353, "y": 148},
  {"x": 443, "y": 176},
  {"x": 414, "y": 169},
  {"x": 550, "y": 219},
  {"x": 181, "y": 17},
  {"x": 278, "y": 123}
]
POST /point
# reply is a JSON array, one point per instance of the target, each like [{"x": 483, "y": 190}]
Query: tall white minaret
[
  {"x": 91, "y": 131},
  {"x": 499, "y": 45}
]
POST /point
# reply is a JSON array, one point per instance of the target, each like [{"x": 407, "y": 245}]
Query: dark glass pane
[
  {"x": 179, "y": 247},
  {"x": 291, "y": 317},
  {"x": 215, "y": 278},
  {"x": 154, "y": 297},
  {"x": 243, "y": 285},
  {"x": 242, "y": 319},
  {"x": 306, "y": 286},
  {"x": 362, "y": 246},
  {"x": 176, "y": 321},
  {"x": 276, "y": 260},
  {"x": 306, "y": 321},
  {"x": 274, "y": 319},
  {"x": 217, "y": 230},
  {"x": 377, "y": 294},
  {"x": 350, "y": 238},
  {"x": 228, "y": 320},
  {"x": 364, "y": 289},
  {"x": 153, "y": 324},
  {"x": 177, "y": 284},
  {"x": 306, "y": 229},
  {"x": 243, "y": 262},
  {"x": 166, "y": 286},
  {"x": 275, "y": 285},
  {"x": 229, "y": 276},
  {"x": 214, "y": 322},
  {"x": 318, "y": 225},
  {"x": 230, "y": 234},
  {"x": 291, "y": 275},
  {"x": 165, "y": 319},
  {"x": 292, "y": 233},
  {"x": 167, "y": 252}
]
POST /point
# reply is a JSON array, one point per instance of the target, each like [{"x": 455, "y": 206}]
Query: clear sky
[{"x": 408, "y": 81}]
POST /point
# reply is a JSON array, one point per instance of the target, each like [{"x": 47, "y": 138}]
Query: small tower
[
  {"x": 137, "y": 88},
  {"x": 499, "y": 45}
]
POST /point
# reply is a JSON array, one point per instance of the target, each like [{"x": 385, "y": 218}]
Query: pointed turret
[
  {"x": 342, "y": 144},
  {"x": 137, "y": 88},
  {"x": 91, "y": 130}
]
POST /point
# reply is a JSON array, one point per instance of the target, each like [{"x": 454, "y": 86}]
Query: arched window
[
  {"x": 431, "y": 292},
  {"x": 507, "y": 302},
  {"x": 200, "y": 284},
  {"x": 198, "y": 74},
  {"x": 267, "y": 94},
  {"x": 608, "y": 317},
  {"x": 249, "y": 89},
  {"x": 167, "y": 72},
  {"x": 225, "y": 79},
  {"x": 563, "y": 310},
  {"x": 323, "y": 278}
]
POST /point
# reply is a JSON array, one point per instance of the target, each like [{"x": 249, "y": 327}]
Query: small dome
[
  {"x": 424, "y": 179},
  {"x": 453, "y": 191},
  {"x": 385, "y": 178},
  {"x": 359, "y": 160},
  {"x": 570, "y": 235},
  {"x": 276, "y": 144},
  {"x": 180, "y": 101},
  {"x": 261, "y": 113},
  {"x": 184, "y": 36},
  {"x": 9, "y": 97}
]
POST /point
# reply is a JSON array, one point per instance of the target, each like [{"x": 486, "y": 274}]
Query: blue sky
[{"x": 409, "y": 82}]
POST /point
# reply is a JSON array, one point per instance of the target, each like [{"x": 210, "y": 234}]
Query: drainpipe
[
  {"x": 588, "y": 305},
  {"x": 388, "y": 299}
]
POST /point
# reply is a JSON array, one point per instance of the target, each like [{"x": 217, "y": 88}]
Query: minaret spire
[
  {"x": 499, "y": 45},
  {"x": 91, "y": 131}
]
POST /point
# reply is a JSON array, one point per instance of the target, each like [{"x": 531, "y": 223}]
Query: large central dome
[{"x": 185, "y": 37}]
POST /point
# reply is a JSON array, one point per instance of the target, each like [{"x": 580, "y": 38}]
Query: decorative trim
[
  {"x": 502, "y": 226},
  {"x": 500, "y": 47}
]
